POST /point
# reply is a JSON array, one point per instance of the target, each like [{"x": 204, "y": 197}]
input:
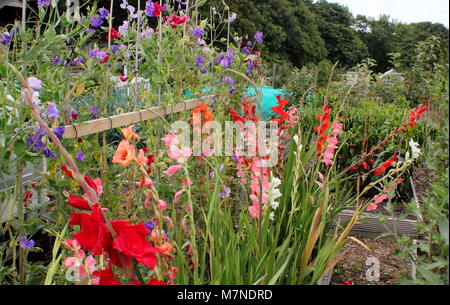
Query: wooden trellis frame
[{"x": 104, "y": 124}]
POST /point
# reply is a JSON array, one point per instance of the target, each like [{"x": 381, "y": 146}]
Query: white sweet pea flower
[{"x": 296, "y": 139}]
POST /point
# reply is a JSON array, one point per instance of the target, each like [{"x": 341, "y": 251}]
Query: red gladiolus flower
[
  {"x": 385, "y": 166},
  {"x": 67, "y": 171},
  {"x": 106, "y": 277},
  {"x": 416, "y": 114},
  {"x": 27, "y": 195},
  {"x": 236, "y": 117},
  {"x": 93, "y": 230},
  {"x": 325, "y": 123},
  {"x": 279, "y": 110},
  {"x": 156, "y": 282},
  {"x": 132, "y": 242},
  {"x": 78, "y": 202}
]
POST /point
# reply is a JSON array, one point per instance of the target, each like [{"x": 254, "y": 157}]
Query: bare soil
[{"x": 352, "y": 268}]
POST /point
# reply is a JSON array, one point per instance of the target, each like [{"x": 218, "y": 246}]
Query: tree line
[{"x": 307, "y": 31}]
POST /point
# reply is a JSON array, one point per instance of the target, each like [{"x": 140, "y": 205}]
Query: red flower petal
[{"x": 78, "y": 202}]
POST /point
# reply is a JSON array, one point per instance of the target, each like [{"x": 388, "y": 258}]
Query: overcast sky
[{"x": 406, "y": 11}]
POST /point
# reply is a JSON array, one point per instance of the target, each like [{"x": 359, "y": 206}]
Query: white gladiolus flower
[
  {"x": 296, "y": 139},
  {"x": 275, "y": 194},
  {"x": 415, "y": 151},
  {"x": 272, "y": 216},
  {"x": 274, "y": 204}
]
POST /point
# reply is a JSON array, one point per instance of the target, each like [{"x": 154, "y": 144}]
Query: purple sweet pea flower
[
  {"x": 6, "y": 39},
  {"x": 149, "y": 8},
  {"x": 26, "y": 244},
  {"x": 56, "y": 60},
  {"x": 123, "y": 29},
  {"x": 198, "y": 32},
  {"x": 232, "y": 90},
  {"x": 34, "y": 83},
  {"x": 246, "y": 51},
  {"x": 212, "y": 175},
  {"x": 150, "y": 225},
  {"x": 229, "y": 80},
  {"x": 80, "y": 156},
  {"x": 227, "y": 59},
  {"x": 104, "y": 13},
  {"x": 249, "y": 44},
  {"x": 147, "y": 33},
  {"x": 124, "y": 4},
  {"x": 226, "y": 192},
  {"x": 235, "y": 158},
  {"x": 59, "y": 132},
  {"x": 43, "y": 3},
  {"x": 99, "y": 54},
  {"x": 233, "y": 17},
  {"x": 77, "y": 61},
  {"x": 132, "y": 9},
  {"x": 94, "y": 112},
  {"x": 258, "y": 37},
  {"x": 96, "y": 21},
  {"x": 52, "y": 111},
  {"x": 200, "y": 61},
  {"x": 48, "y": 153},
  {"x": 35, "y": 141},
  {"x": 221, "y": 167}
]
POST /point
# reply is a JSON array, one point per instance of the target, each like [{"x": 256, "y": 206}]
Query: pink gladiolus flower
[
  {"x": 177, "y": 196},
  {"x": 321, "y": 185},
  {"x": 172, "y": 170},
  {"x": 254, "y": 211},
  {"x": 169, "y": 222},
  {"x": 162, "y": 205},
  {"x": 321, "y": 177},
  {"x": 187, "y": 182},
  {"x": 372, "y": 207}
]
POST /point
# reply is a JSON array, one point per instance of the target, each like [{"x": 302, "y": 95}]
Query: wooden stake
[{"x": 104, "y": 124}]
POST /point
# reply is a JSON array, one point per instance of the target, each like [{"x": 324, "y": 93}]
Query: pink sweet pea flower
[{"x": 170, "y": 139}]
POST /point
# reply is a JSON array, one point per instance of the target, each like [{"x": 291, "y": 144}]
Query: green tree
[{"x": 335, "y": 26}]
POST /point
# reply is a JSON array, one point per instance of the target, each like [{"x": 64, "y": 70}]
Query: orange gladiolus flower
[
  {"x": 128, "y": 133},
  {"x": 124, "y": 154}
]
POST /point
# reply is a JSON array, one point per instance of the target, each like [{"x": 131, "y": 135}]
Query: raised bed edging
[{"x": 370, "y": 226}]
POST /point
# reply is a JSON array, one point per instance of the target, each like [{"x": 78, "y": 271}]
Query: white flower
[
  {"x": 275, "y": 182},
  {"x": 414, "y": 149},
  {"x": 296, "y": 139},
  {"x": 407, "y": 156},
  {"x": 272, "y": 216},
  {"x": 274, "y": 204},
  {"x": 275, "y": 194}
]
